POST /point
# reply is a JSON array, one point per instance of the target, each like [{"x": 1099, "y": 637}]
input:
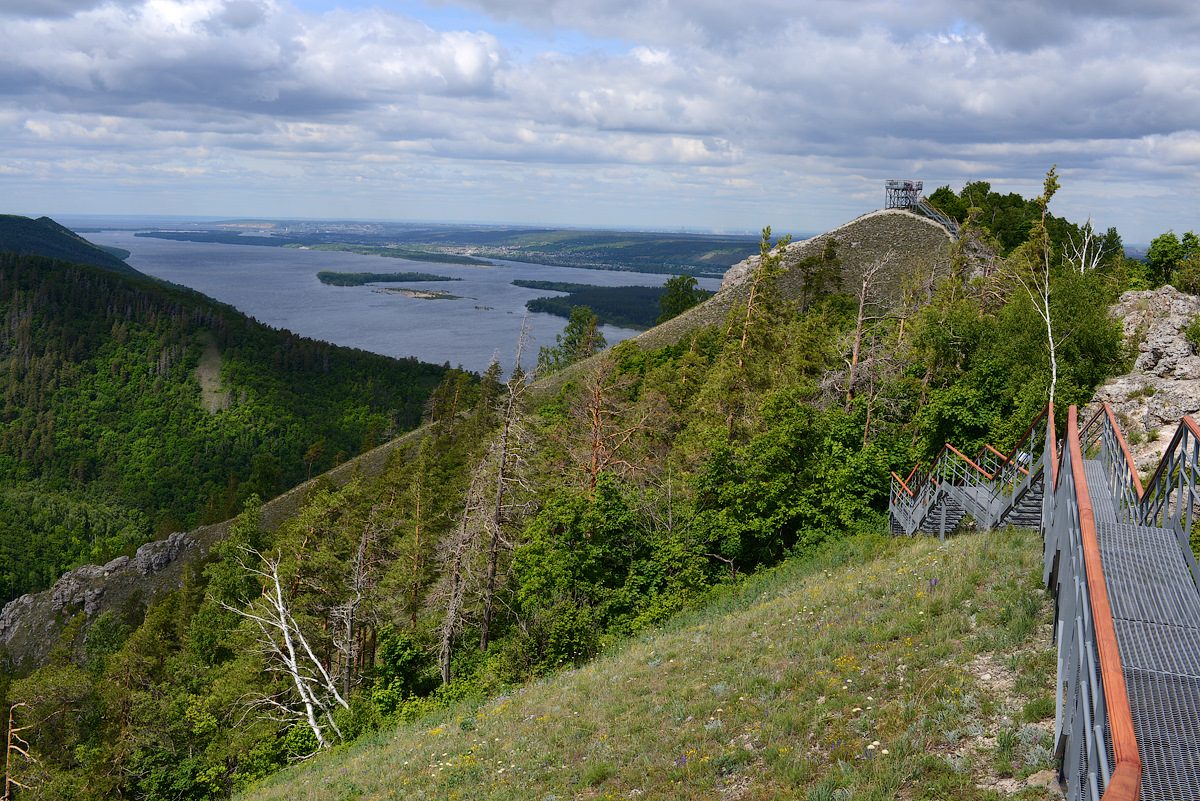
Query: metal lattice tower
[{"x": 903, "y": 194}]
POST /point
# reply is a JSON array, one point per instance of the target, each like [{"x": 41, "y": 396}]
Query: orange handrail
[
  {"x": 1106, "y": 409},
  {"x": 1126, "y": 780},
  {"x": 968, "y": 460},
  {"x": 902, "y": 483}
]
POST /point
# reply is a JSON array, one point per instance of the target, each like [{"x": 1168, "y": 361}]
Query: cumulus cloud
[{"x": 709, "y": 94}]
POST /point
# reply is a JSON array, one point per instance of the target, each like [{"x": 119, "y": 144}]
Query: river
[{"x": 279, "y": 287}]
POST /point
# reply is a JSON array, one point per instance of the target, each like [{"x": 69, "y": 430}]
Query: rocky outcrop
[
  {"x": 153, "y": 557},
  {"x": 910, "y": 238},
  {"x": 1165, "y": 382}
]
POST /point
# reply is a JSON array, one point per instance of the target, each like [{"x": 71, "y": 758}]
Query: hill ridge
[{"x": 45, "y": 237}]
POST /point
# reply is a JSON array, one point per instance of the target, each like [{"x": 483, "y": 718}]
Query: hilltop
[{"x": 45, "y": 237}]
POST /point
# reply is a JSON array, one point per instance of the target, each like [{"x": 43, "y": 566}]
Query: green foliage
[
  {"x": 680, "y": 294},
  {"x": 1010, "y": 219},
  {"x": 105, "y": 438},
  {"x": 627, "y": 306},
  {"x": 803, "y": 479},
  {"x": 1168, "y": 254},
  {"x": 405, "y": 670},
  {"x": 579, "y": 339},
  {"x": 45, "y": 237}
]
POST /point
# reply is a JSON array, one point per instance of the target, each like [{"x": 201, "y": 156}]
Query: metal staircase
[
  {"x": 993, "y": 489},
  {"x": 1118, "y": 560},
  {"x": 905, "y": 194}
]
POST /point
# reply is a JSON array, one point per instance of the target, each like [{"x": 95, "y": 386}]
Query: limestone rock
[
  {"x": 75, "y": 588},
  {"x": 154, "y": 556},
  {"x": 1165, "y": 383}
]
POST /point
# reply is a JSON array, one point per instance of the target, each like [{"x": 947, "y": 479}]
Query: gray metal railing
[
  {"x": 1092, "y": 714},
  {"x": 1170, "y": 499},
  {"x": 987, "y": 488},
  {"x": 1094, "y": 732}
]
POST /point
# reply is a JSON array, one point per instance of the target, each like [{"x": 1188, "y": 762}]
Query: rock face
[
  {"x": 30, "y": 625},
  {"x": 1165, "y": 383},
  {"x": 154, "y": 556}
]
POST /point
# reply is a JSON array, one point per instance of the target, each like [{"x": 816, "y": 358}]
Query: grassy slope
[{"x": 777, "y": 689}]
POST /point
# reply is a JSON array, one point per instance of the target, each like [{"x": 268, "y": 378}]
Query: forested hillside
[
  {"x": 537, "y": 525},
  {"x": 106, "y": 440},
  {"x": 45, "y": 237}
]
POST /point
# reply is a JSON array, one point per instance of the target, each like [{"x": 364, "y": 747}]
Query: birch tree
[
  {"x": 310, "y": 695},
  {"x": 1029, "y": 265}
]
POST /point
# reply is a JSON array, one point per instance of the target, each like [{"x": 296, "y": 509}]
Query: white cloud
[{"x": 703, "y": 97}]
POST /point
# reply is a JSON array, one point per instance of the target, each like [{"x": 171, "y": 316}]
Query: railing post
[{"x": 942, "y": 524}]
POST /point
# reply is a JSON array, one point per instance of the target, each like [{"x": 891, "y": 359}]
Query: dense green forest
[
  {"x": 626, "y": 306},
  {"x": 45, "y": 237},
  {"x": 105, "y": 438},
  {"x": 358, "y": 279},
  {"x": 638, "y": 307},
  {"x": 529, "y": 530}
]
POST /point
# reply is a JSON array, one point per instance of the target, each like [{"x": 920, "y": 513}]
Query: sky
[{"x": 643, "y": 114}]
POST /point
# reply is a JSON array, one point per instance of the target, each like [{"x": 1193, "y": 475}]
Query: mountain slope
[
  {"x": 915, "y": 248},
  {"x": 45, "y": 237},
  {"x": 107, "y": 438},
  {"x": 876, "y": 668}
]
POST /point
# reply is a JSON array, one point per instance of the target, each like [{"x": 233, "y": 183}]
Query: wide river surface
[{"x": 279, "y": 287}]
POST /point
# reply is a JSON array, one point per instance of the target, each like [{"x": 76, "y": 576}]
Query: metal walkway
[{"x": 1119, "y": 562}]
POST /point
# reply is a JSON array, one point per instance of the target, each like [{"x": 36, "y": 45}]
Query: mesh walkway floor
[{"x": 1156, "y": 613}]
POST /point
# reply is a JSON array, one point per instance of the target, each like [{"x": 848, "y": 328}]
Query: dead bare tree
[
  {"x": 18, "y": 746},
  {"x": 494, "y": 499},
  {"x": 1029, "y": 266},
  {"x": 1086, "y": 254},
  {"x": 603, "y": 422},
  {"x": 868, "y": 299},
  {"x": 287, "y": 651},
  {"x": 361, "y": 578}
]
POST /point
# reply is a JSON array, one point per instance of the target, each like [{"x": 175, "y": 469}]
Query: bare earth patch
[{"x": 208, "y": 373}]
